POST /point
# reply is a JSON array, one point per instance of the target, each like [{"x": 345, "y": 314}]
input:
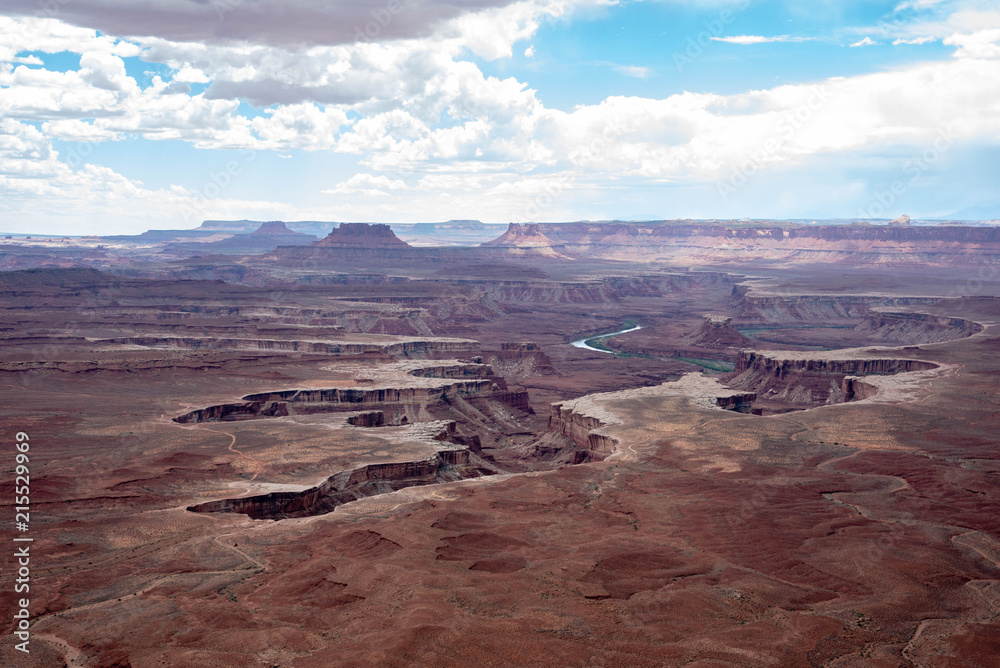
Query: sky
[{"x": 118, "y": 116}]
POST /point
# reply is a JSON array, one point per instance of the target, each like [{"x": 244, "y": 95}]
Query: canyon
[{"x": 362, "y": 450}]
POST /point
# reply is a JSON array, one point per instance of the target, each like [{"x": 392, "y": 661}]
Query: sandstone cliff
[
  {"x": 799, "y": 380},
  {"x": 362, "y": 236},
  {"x": 717, "y": 332},
  {"x": 521, "y": 236},
  {"x": 354, "y": 484},
  {"x": 701, "y": 242}
]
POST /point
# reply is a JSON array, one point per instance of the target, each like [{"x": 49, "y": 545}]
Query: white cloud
[
  {"x": 366, "y": 184},
  {"x": 746, "y": 40},
  {"x": 75, "y": 130},
  {"x": 70, "y": 195},
  {"x": 428, "y": 119},
  {"x": 867, "y": 41},
  {"x": 981, "y": 44},
  {"x": 634, "y": 71},
  {"x": 301, "y": 23},
  {"x": 28, "y": 60},
  {"x": 915, "y": 40}
]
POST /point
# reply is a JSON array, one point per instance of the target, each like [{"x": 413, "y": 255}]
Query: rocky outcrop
[
  {"x": 797, "y": 380},
  {"x": 362, "y": 236},
  {"x": 403, "y": 387},
  {"x": 248, "y": 410},
  {"x": 717, "y": 332},
  {"x": 51, "y": 277},
  {"x": 349, "y": 242},
  {"x": 264, "y": 239},
  {"x": 710, "y": 241},
  {"x": 405, "y": 348},
  {"x": 379, "y": 395},
  {"x": 351, "y": 485},
  {"x": 463, "y": 370},
  {"x": 515, "y": 399},
  {"x": 814, "y": 308},
  {"x": 856, "y": 389},
  {"x": 916, "y": 328},
  {"x": 369, "y": 419},
  {"x": 770, "y": 365},
  {"x": 294, "y": 402},
  {"x": 582, "y": 429},
  {"x": 583, "y": 419},
  {"x": 520, "y": 360},
  {"x": 521, "y": 236}
]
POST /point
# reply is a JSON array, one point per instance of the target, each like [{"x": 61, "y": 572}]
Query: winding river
[{"x": 582, "y": 343}]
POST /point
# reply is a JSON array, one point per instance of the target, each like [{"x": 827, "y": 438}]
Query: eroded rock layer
[
  {"x": 814, "y": 379},
  {"x": 348, "y": 486}
]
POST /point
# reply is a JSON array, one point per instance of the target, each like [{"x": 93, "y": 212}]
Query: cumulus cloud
[
  {"x": 74, "y": 196},
  {"x": 284, "y": 23},
  {"x": 429, "y": 129},
  {"x": 981, "y": 44},
  {"x": 366, "y": 184}
]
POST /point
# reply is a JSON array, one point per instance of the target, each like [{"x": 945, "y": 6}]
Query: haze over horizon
[{"x": 118, "y": 118}]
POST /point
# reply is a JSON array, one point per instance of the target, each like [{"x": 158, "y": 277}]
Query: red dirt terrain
[{"x": 376, "y": 463}]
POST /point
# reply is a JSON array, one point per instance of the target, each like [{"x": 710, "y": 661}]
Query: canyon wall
[
  {"x": 405, "y": 348},
  {"x": 707, "y": 242},
  {"x": 793, "y": 380},
  {"x": 782, "y": 308},
  {"x": 354, "y": 484},
  {"x": 916, "y": 328},
  {"x": 298, "y": 401}
]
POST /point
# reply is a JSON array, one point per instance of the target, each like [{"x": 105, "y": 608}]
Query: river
[{"x": 582, "y": 343}]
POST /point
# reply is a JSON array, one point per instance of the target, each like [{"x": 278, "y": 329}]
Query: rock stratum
[
  {"x": 714, "y": 243},
  {"x": 447, "y": 465}
]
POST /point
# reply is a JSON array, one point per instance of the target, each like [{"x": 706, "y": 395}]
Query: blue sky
[{"x": 177, "y": 111}]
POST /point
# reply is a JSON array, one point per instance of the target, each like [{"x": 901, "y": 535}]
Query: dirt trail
[{"x": 256, "y": 465}]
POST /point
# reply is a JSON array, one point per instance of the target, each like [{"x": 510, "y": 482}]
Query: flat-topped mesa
[
  {"x": 308, "y": 401},
  {"x": 779, "y": 366},
  {"x": 717, "y": 331},
  {"x": 276, "y": 228},
  {"x": 404, "y": 346},
  {"x": 363, "y": 236},
  {"x": 528, "y": 235},
  {"x": 889, "y": 244},
  {"x": 520, "y": 360},
  {"x": 410, "y": 389},
  {"x": 353, "y": 484},
  {"x": 764, "y": 307},
  {"x": 916, "y": 327},
  {"x": 792, "y": 381},
  {"x": 583, "y": 419}
]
